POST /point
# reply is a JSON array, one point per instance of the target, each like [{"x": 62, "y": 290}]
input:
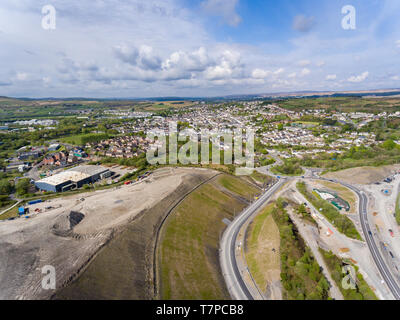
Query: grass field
[
  {"x": 261, "y": 178},
  {"x": 262, "y": 237},
  {"x": 397, "y": 209},
  {"x": 232, "y": 184},
  {"x": 190, "y": 242},
  {"x": 10, "y": 213},
  {"x": 81, "y": 139},
  {"x": 163, "y": 105}
]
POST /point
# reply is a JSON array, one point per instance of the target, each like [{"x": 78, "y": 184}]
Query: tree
[
  {"x": 5, "y": 187},
  {"x": 22, "y": 187},
  {"x": 389, "y": 144}
]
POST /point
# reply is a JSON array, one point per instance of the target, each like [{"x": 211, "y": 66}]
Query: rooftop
[{"x": 75, "y": 174}]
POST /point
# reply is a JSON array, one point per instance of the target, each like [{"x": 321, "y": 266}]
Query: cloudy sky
[{"x": 153, "y": 48}]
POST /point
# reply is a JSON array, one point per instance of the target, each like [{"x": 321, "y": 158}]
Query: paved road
[
  {"x": 376, "y": 255},
  {"x": 236, "y": 286},
  {"x": 368, "y": 235}
]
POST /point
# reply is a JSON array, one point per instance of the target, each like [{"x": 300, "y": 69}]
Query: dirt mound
[
  {"x": 364, "y": 175},
  {"x": 74, "y": 218}
]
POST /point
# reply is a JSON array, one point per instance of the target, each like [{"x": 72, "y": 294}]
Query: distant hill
[{"x": 296, "y": 94}]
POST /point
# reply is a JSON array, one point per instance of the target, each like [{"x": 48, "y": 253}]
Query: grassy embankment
[
  {"x": 261, "y": 178},
  {"x": 262, "y": 237},
  {"x": 341, "y": 222},
  {"x": 12, "y": 213},
  {"x": 190, "y": 241},
  {"x": 397, "y": 209},
  {"x": 301, "y": 275},
  {"x": 343, "y": 192},
  {"x": 335, "y": 265}
]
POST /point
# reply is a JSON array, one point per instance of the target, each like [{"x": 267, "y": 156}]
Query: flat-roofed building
[{"x": 72, "y": 179}]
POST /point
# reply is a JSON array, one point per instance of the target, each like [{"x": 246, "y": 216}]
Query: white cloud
[
  {"x": 305, "y": 72},
  {"x": 396, "y": 78},
  {"x": 359, "y": 78},
  {"x": 224, "y": 8},
  {"x": 143, "y": 57},
  {"x": 331, "y": 77},
  {"x": 279, "y": 71},
  {"x": 304, "y": 63},
  {"x": 260, "y": 73},
  {"x": 159, "y": 48},
  {"x": 21, "y": 76}
]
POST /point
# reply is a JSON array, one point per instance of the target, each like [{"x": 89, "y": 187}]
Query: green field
[
  {"x": 231, "y": 183},
  {"x": 262, "y": 237},
  {"x": 190, "y": 242},
  {"x": 82, "y": 139},
  {"x": 13, "y": 213},
  {"x": 397, "y": 209}
]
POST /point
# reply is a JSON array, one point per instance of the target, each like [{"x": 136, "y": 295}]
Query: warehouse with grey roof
[{"x": 73, "y": 178}]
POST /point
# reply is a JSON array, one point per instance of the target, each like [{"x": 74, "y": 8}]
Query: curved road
[
  {"x": 376, "y": 255},
  {"x": 233, "y": 278}
]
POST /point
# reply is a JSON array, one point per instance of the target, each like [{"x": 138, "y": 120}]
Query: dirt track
[{"x": 54, "y": 238}]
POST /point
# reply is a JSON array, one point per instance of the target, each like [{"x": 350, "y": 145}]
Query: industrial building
[{"x": 73, "y": 178}]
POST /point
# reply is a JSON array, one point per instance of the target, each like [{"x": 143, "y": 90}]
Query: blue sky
[{"x": 136, "y": 48}]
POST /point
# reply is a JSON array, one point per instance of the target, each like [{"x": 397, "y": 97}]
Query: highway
[
  {"x": 228, "y": 246},
  {"x": 233, "y": 278},
  {"x": 376, "y": 255}
]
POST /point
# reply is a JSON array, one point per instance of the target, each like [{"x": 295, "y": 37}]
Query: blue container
[
  {"x": 34, "y": 201},
  {"x": 21, "y": 211}
]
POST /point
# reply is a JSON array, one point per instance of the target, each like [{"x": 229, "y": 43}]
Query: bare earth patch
[
  {"x": 363, "y": 175},
  {"x": 49, "y": 238}
]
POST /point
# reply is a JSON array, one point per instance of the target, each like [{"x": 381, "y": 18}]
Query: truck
[{"x": 391, "y": 232}]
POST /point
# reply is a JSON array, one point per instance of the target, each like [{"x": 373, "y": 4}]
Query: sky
[{"x": 196, "y": 48}]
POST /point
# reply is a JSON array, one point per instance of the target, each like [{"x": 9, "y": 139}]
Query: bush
[{"x": 301, "y": 275}]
